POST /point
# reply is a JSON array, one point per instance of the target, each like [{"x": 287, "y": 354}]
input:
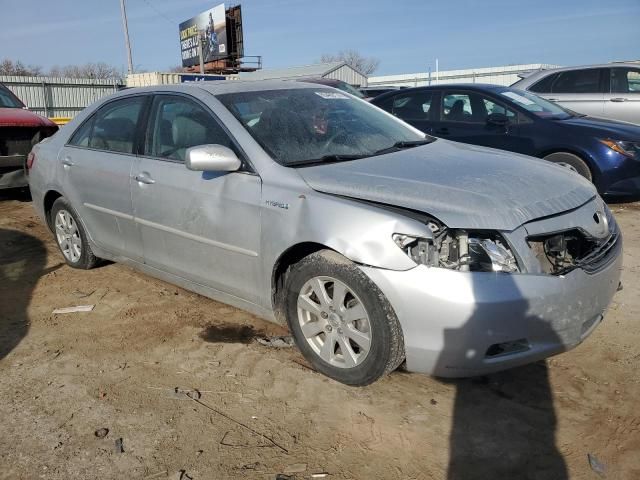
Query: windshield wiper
[
  {"x": 324, "y": 159},
  {"x": 403, "y": 144}
]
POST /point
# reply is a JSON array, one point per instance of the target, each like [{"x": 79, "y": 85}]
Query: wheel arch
[
  {"x": 585, "y": 157},
  {"x": 289, "y": 257},
  {"x": 49, "y": 199}
]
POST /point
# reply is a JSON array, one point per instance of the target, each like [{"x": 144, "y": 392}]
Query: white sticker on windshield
[
  {"x": 332, "y": 95},
  {"x": 518, "y": 98}
]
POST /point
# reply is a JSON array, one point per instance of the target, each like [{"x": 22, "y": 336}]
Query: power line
[{"x": 159, "y": 13}]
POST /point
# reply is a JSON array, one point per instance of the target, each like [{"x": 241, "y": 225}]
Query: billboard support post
[{"x": 201, "y": 55}]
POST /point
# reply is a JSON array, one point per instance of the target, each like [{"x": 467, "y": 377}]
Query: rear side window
[
  {"x": 414, "y": 106},
  {"x": 456, "y": 107},
  {"x": 112, "y": 128},
  {"x": 578, "y": 81},
  {"x": 625, "y": 80},
  {"x": 178, "y": 123},
  {"x": 544, "y": 85}
]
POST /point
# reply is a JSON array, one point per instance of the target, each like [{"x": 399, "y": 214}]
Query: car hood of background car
[
  {"x": 605, "y": 127},
  {"x": 464, "y": 186},
  {"x": 18, "y": 117}
]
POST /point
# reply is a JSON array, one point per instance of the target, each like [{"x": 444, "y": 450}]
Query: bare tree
[
  {"x": 176, "y": 69},
  {"x": 88, "y": 70},
  {"x": 9, "y": 67},
  {"x": 366, "y": 65}
]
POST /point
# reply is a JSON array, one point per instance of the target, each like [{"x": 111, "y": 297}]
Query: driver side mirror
[
  {"x": 497, "y": 119},
  {"x": 212, "y": 158}
]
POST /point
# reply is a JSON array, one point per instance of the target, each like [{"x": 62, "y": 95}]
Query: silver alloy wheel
[
  {"x": 334, "y": 322},
  {"x": 569, "y": 166},
  {"x": 68, "y": 236}
]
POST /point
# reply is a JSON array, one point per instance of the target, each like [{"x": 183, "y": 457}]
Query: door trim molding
[
  {"x": 115, "y": 213},
  {"x": 196, "y": 238}
]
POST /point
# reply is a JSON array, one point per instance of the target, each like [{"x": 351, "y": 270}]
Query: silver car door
[
  {"x": 580, "y": 91},
  {"x": 202, "y": 226},
  {"x": 623, "y": 100},
  {"x": 96, "y": 171}
]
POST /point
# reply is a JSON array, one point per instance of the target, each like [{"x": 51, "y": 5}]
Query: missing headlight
[{"x": 459, "y": 250}]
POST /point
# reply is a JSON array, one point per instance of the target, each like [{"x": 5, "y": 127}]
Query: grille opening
[
  {"x": 560, "y": 253},
  {"x": 507, "y": 348}
]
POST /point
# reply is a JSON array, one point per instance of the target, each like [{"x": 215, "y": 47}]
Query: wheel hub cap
[
  {"x": 334, "y": 322},
  {"x": 68, "y": 236}
]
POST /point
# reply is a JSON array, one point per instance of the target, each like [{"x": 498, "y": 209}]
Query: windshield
[
  {"x": 308, "y": 125},
  {"x": 7, "y": 100},
  {"x": 537, "y": 105}
]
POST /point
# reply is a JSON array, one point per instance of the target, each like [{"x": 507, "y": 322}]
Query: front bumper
[{"x": 453, "y": 320}]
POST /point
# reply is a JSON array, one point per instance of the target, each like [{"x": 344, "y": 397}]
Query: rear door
[
  {"x": 622, "y": 101},
  {"x": 96, "y": 168},
  {"x": 580, "y": 90},
  {"x": 202, "y": 226}
]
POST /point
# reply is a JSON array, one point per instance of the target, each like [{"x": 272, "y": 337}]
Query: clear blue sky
[{"x": 406, "y": 35}]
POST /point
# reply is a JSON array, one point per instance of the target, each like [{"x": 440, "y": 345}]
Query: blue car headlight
[{"x": 623, "y": 147}]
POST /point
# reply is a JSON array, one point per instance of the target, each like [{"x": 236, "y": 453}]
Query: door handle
[
  {"x": 618, "y": 99},
  {"x": 442, "y": 131},
  {"x": 144, "y": 178},
  {"x": 552, "y": 99},
  {"x": 66, "y": 162}
]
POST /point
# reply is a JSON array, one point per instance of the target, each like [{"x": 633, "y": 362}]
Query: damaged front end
[
  {"x": 456, "y": 249},
  {"x": 555, "y": 253}
]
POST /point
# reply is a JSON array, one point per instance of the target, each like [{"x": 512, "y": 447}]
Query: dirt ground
[{"x": 132, "y": 366}]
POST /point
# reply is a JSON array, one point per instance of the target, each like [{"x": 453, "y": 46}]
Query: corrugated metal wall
[
  {"x": 59, "y": 97},
  {"x": 505, "y": 75},
  {"x": 348, "y": 75}
]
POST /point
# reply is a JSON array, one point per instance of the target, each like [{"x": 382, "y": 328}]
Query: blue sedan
[{"x": 607, "y": 152}]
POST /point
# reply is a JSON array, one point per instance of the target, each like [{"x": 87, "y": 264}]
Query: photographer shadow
[
  {"x": 22, "y": 261},
  {"x": 504, "y": 424}
]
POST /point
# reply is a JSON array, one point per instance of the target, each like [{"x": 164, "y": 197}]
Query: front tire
[
  {"x": 71, "y": 236},
  {"x": 341, "y": 321},
  {"x": 570, "y": 161}
]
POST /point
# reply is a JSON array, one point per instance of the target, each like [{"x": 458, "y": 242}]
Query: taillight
[{"x": 31, "y": 160}]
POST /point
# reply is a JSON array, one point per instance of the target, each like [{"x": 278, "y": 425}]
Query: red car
[{"x": 20, "y": 130}]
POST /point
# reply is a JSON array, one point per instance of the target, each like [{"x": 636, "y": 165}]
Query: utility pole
[
  {"x": 437, "y": 70},
  {"x": 125, "y": 25}
]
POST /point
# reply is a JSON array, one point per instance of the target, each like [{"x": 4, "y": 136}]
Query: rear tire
[
  {"x": 570, "y": 161},
  {"x": 71, "y": 236},
  {"x": 341, "y": 321}
]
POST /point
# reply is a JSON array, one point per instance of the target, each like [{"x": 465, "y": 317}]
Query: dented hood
[{"x": 462, "y": 185}]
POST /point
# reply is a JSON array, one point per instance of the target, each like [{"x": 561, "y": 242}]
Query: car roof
[
  {"x": 220, "y": 87},
  {"x": 538, "y": 74},
  {"x": 482, "y": 87}
]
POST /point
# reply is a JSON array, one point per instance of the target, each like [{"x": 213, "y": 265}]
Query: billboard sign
[{"x": 210, "y": 29}]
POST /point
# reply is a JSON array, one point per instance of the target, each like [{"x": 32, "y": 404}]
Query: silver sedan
[{"x": 374, "y": 243}]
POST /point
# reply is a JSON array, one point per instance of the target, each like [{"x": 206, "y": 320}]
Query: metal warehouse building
[
  {"x": 505, "y": 75},
  {"x": 333, "y": 70}
]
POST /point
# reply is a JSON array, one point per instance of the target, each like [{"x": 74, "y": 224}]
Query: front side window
[
  {"x": 307, "y": 125},
  {"x": 625, "y": 80},
  {"x": 178, "y": 123},
  {"x": 471, "y": 107},
  {"x": 112, "y": 128},
  {"x": 578, "y": 81}
]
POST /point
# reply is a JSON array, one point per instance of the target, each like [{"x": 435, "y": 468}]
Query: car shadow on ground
[
  {"x": 22, "y": 261},
  {"x": 503, "y": 424}
]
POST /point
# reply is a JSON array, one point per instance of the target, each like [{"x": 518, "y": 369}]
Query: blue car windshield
[
  {"x": 310, "y": 125},
  {"x": 537, "y": 105}
]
